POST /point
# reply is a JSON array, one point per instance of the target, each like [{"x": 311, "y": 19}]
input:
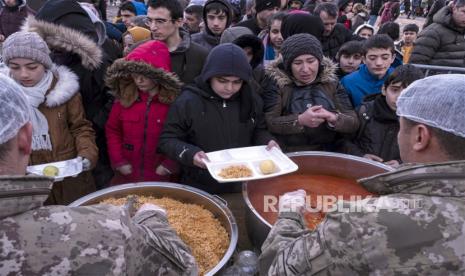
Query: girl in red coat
[{"x": 144, "y": 87}]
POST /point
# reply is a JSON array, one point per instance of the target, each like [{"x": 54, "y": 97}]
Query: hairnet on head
[
  {"x": 437, "y": 101},
  {"x": 14, "y": 109}
]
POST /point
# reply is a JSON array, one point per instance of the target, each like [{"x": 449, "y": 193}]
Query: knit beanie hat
[
  {"x": 302, "y": 23},
  {"x": 300, "y": 44},
  {"x": 231, "y": 34},
  {"x": 436, "y": 101},
  {"x": 261, "y": 5},
  {"x": 27, "y": 45},
  {"x": 138, "y": 34}
]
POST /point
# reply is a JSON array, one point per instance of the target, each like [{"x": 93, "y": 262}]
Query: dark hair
[
  {"x": 173, "y": 6},
  {"x": 411, "y": 28},
  {"x": 379, "y": 41},
  {"x": 405, "y": 74},
  {"x": 128, "y": 6},
  {"x": 255, "y": 44},
  {"x": 195, "y": 10},
  {"x": 217, "y": 8},
  {"x": 350, "y": 48},
  {"x": 452, "y": 145},
  {"x": 330, "y": 8},
  {"x": 392, "y": 29},
  {"x": 277, "y": 16}
]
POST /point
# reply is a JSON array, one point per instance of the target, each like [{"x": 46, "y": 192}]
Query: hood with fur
[
  {"x": 276, "y": 71},
  {"x": 65, "y": 39},
  {"x": 120, "y": 81},
  {"x": 64, "y": 86}
]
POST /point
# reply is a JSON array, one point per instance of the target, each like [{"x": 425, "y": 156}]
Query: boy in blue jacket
[{"x": 379, "y": 53}]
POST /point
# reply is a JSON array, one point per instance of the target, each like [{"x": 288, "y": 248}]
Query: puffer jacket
[
  {"x": 206, "y": 38},
  {"x": 71, "y": 136},
  {"x": 136, "y": 119},
  {"x": 378, "y": 130},
  {"x": 11, "y": 18},
  {"x": 441, "y": 43},
  {"x": 282, "y": 105}
]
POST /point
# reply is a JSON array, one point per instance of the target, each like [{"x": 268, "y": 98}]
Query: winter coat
[
  {"x": 188, "y": 59},
  {"x": 136, "y": 121},
  {"x": 199, "y": 120},
  {"x": 375, "y": 6},
  {"x": 389, "y": 12},
  {"x": 71, "y": 136},
  {"x": 100, "y": 239},
  {"x": 361, "y": 83},
  {"x": 284, "y": 101},
  {"x": 335, "y": 40},
  {"x": 206, "y": 38},
  {"x": 437, "y": 6},
  {"x": 251, "y": 24},
  {"x": 378, "y": 130},
  {"x": 11, "y": 18},
  {"x": 359, "y": 20},
  {"x": 441, "y": 43}
]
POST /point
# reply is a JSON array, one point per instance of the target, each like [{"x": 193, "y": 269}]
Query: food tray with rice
[
  {"x": 249, "y": 163},
  {"x": 203, "y": 222}
]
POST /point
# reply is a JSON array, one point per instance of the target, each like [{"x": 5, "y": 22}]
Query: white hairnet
[
  {"x": 14, "y": 109},
  {"x": 437, "y": 101}
]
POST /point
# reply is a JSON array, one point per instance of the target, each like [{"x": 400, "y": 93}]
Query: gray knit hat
[
  {"x": 436, "y": 101},
  {"x": 300, "y": 44},
  {"x": 26, "y": 45}
]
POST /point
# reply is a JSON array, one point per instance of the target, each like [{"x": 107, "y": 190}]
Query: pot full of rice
[{"x": 201, "y": 220}]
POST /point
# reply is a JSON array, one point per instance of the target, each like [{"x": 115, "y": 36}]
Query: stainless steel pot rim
[
  {"x": 232, "y": 221},
  {"x": 245, "y": 195}
]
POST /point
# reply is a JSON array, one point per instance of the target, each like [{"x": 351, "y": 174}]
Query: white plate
[
  {"x": 67, "y": 168},
  {"x": 250, "y": 157}
]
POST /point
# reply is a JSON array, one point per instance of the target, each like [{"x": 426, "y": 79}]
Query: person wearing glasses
[{"x": 165, "y": 20}]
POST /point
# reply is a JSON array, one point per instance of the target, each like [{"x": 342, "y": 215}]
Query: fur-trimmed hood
[
  {"x": 66, "y": 39},
  {"x": 276, "y": 72},
  {"x": 119, "y": 79},
  {"x": 64, "y": 86}
]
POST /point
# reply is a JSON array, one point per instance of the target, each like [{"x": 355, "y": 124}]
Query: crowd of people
[{"x": 145, "y": 95}]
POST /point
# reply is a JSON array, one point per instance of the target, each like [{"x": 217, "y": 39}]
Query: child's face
[
  {"x": 275, "y": 34},
  {"x": 226, "y": 86},
  {"x": 409, "y": 37},
  {"x": 128, "y": 41},
  {"x": 143, "y": 83},
  {"x": 378, "y": 61},
  {"x": 392, "y": 92},
  {"x": 26, "y": 71},
  {"x": 365, "y": 33},
  {"x": 350, "y": 63}
]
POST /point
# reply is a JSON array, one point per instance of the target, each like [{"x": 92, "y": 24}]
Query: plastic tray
[
  {"x": 67, "y": 168},
  {"x": 250, "y": 157}
]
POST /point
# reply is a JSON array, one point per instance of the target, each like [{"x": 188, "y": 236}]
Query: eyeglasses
[{"x": 157, "y": 21}]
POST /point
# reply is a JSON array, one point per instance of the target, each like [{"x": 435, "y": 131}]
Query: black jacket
[
  {"x": 199, "y": 120},
  {"x": 378, "y": 130},
  {"x": 251, "y": 24},
  {"x": 335, "y": 40}
]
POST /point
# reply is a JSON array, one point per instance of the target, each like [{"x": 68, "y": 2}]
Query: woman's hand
[
  {"x": 272, "y": 144},
  {"x": 162, "y": 171},
  {"x": 125, "y": 169},
  {"x": 199, "y": 158},
  {"x": 310, "y": 117},
  {"x": 373, "y": 157},
  {"x": 326, "y": 115}
]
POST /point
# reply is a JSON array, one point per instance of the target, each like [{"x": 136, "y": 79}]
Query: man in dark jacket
[
  {"x": 335, "y": 34},
  {"x": 165, "y": 19},
  {"x": 218, "y": 112},
  {"x": 443, "y": 43},
  {"x": 217, "y": 16},
  {"x": 375, "y": 6},
  {"x": 264, "y": 10},
  {"x": 73, "y": 40},
  {"x": 12, "y": 15}
]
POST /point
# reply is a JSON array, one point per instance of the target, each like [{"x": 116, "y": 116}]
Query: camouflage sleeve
[
  {"x": 162, "y": 238},
  {"x": 291, "y": 250}
]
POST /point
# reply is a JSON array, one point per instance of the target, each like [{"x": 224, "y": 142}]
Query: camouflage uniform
[
  {"x": 419, "y": 229},
  {"x": 94, "y": 240}
]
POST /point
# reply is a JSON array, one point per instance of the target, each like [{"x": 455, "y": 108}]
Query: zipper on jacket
[
  {"x": 25, "y": 192},
  {"x": 224, "y": 104},
  {"x": 146, "y": 122}
]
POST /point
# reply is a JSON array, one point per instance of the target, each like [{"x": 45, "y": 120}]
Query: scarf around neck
[{"x": 36, "y": 96}]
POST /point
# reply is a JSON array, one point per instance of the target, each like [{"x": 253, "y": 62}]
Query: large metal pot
[
  {"x": 179, "y": 192},
  {"x": 310, "y": 163}
]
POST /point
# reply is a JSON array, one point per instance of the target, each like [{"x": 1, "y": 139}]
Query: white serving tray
[
  {"x": 67, "y": 168},
  {"x": 251, "y": 157}
]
